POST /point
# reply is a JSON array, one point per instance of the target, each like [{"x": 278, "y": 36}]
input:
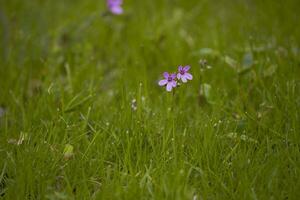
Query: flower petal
[
  {"x": 166, "y": 75},
  {"x": 178, "y": 75},
  {"x": 169, "y": 86},
  {"x": 114, "y": 2},
  {"x": 174, "y": 83},
  {"x": 163, "y": 82},
  {"x": 173, "y": 76},
  {"x": 188, "y": 76},
  {"x": 180, "y": 68},
  {"x": 117, "y": 10},
  {"x": 186, "y": 68},
  {"x": 183, "y": 79}
]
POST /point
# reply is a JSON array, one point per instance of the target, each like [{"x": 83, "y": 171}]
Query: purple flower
[
  {"x": 115, "y": 6},
  {"x": 183, "y": 74},
  {"x": 169, "y": 81}
]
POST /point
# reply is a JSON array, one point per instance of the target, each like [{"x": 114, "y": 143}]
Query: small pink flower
[
  {"x": 169, "y": 81},
  {"x": 115, "y": 6},
  {"x": 183, "y": 74}
]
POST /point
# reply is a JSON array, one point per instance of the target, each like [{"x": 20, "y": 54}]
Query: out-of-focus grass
[{"x": 69, "y": 73}]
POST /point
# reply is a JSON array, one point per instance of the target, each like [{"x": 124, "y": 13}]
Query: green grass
[{"x": 69, "y": 73}]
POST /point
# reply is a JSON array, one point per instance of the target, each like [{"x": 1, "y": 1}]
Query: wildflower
[
  {"x": 173, "y": 80},
  {"x": 169, "y": 81},
  {"x": 115, "y": 6},
  {"x": 183, "y": 74}
]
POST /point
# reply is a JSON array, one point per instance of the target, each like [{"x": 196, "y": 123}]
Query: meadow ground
[{"x": 82, "y": 115}]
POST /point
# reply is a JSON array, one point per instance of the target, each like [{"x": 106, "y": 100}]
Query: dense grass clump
[{"x": 82, "y": 115}]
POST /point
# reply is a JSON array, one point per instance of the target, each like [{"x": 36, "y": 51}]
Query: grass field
[{"x": 82, "y": 115}]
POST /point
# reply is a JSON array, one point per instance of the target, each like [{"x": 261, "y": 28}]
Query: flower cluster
[
  {"x": 115, "y": 6},
  {"x": 172, "y": 80}
]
